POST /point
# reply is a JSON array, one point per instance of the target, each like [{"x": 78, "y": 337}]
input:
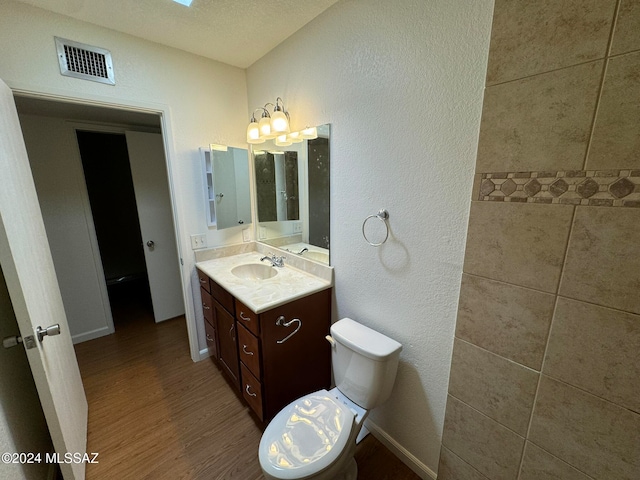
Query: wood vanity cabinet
[
  {"x": 276, "y": 356},
  {"x": 218, "y": 309},
  {"x": 207, "y": 311}
]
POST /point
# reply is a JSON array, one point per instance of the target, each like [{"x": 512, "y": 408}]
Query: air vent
[{"x": 84, "y": 61}]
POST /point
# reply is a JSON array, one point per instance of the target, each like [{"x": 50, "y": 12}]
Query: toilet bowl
[{"x": 314, "y": 437}]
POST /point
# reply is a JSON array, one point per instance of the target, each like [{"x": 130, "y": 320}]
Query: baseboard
[
  {"x": 202, "y": 354},
  {"x": 402, "y": 453},
  {"x": 97, "y": 333}
]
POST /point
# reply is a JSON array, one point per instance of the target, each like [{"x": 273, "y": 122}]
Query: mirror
[
  {"x": 292, "y": 195},
  {"x": 230, "y": 189}
]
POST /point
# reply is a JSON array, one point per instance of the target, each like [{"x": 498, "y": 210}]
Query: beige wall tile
[
  {"x": 505, "y": 319},
  {"x": 489, "y": 447},
  {"x": 452, "y": 467},
  {"x": 596, "y": 349},
  {"x": 522, "y": 244},
  {"x": 497, "y": 387},
  {"x": 603, "y": 258},
  {"x": 528, "y": 38},
  {"x": 616, "y": 135},
  {"x": 581, "y": 429},
  {"x": 539, "y": 123},
  {"x": 625, "y": 37},
  {"x": 540, "y": 465}
]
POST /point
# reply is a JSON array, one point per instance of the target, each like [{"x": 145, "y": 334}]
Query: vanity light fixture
[{"x": 270, "y": 125}]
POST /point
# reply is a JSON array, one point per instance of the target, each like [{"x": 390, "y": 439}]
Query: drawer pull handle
[
  {"x": 244, "y": 349},
  {"x": 281, "y": 322},
  {"x": 205, "y": 306},
  {"x": 246, "y": 319},
  {"x": 209, "y": 338},
  {"x": 202, "y": 280},
  {"x": 249, "y": 393}
]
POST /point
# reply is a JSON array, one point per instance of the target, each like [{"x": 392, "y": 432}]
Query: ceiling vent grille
[{"x": 84, "y": 61}]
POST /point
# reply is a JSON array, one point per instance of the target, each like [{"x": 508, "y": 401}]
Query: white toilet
[{"x": 314, "y": 437}]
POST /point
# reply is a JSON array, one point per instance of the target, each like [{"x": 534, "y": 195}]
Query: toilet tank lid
[{"x": 364, "y": 340}]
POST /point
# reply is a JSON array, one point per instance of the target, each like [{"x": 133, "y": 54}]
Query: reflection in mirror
[
  {"x": 277, "y": 186},
  {"x": 230, "y": 170},
  {"x": 292, "y": 194}
]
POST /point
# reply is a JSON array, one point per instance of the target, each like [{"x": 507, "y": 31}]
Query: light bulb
[
  {"x": 295, "y": 137},
  {"x": 309, "y": 133},
  {"x": 282, "y": 141},
  {"x": 279, "y": 123},
  {"x": 253, "y": 133},
  {"x": 265, "y": 128}
]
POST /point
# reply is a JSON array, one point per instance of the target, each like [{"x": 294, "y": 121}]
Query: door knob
[
  {"x": 8, "y": 342},
  {"x": 43, "y": 332},
  {"x": 150, "y": 244}
]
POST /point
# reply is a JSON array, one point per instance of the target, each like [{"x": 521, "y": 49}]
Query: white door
[
  {"x": 150, "y": 182},
  {"x": 35, "y": 295}
]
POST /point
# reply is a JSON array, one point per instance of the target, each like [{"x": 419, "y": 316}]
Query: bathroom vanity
[{"x": 267, "y": 335}]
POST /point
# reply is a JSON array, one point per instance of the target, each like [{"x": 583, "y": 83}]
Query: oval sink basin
[{"x": 254, "y": 271}]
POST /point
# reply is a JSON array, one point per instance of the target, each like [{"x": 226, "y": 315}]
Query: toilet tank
[{"x": 364, "y": 362}]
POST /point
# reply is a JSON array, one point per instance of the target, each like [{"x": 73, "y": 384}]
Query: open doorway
[
  {"x": 84, "y": 161},
  {"x": 107, "y": 173}
]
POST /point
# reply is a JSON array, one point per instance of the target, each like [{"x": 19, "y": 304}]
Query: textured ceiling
[{"x": 236, "y": 32}]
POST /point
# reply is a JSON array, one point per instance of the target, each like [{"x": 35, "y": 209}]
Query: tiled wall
[{"x": 545, "y": 374}]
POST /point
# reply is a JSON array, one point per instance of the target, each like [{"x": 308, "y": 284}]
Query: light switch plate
[
  {"x": 198, "y": 241},
  {"x": 245, "y": 235}
]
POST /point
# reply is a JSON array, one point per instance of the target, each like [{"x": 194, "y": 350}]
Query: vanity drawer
[
  {"x": 204, "y": 281},
  {"x": 212, "y": 342},
  {"x": 247, "y": 318},
  {"x": 222, "y": 296},
  {"x": 249, "y": 350},
  {"x": 252, "y": 391},
  {"x": 207, "y": 306}
]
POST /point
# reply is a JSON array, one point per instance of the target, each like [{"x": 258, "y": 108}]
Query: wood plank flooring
[{"x": 155, "y": 414}]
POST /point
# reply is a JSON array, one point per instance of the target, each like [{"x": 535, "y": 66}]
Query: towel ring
[{"x": 383, "y": 216}]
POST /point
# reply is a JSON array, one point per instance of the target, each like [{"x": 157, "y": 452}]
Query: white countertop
[{"x": 262, "y": 295}]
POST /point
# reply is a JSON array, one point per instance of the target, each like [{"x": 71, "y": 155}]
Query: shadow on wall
[{"x": 408, "y": 395}]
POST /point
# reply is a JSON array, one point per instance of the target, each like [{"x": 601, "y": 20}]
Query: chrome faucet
[
  {"x": 275, "y": 261},
  {"x": 305, "y": 249}
]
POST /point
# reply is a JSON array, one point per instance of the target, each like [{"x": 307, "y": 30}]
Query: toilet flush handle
[{"x": 331, "y": 341}]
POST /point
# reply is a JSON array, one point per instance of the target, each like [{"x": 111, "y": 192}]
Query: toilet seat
[{"x": 306, "y": 436}]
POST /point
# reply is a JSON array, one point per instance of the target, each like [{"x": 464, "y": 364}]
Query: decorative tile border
[{"x": 610, "y": 188}]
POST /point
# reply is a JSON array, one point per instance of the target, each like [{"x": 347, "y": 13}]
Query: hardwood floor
[{"x": 155, "y": 414}]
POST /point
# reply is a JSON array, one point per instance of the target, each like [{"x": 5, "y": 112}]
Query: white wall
[
  {"x": 203, "y": 101},
  {"x": 57, "y": 172},
  {"x": 401, "y": 84}
]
